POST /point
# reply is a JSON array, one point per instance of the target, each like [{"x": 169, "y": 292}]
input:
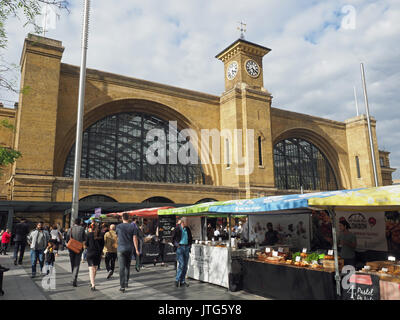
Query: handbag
[{"x": 74, "y": 245}]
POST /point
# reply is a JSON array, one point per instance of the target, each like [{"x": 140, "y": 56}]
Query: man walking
[
  {"x": 21, "y": 233},
  {"x": 127, "y": 240},
  {"x": 38, "y": 240},
  {"x": 110, "y": 250},
  {"x": 78, "y": 234},
  {"x": 182, "y": 240}
]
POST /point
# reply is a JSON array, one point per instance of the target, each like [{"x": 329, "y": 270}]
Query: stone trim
[{"x": 145, "y": 85}]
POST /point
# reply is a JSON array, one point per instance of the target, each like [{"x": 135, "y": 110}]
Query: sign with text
[
  {"x": 362, "y": 287},
  {"x": 368, "y": 227},
  {"x": 166, "y": 225}
]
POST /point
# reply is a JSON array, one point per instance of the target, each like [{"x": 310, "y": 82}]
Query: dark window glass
[
  {"x": 260, "y": 162},
  {"x": 114, "y": 148},
  {"x": 358, "y": 167},
  {"x": 298, "y": 163}
]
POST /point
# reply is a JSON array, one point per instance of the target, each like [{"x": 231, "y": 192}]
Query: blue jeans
[
  {"x": 35, "y": 255},
  {"x": 182, "y": 256}
]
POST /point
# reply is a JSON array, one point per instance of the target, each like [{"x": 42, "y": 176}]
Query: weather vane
[{"x": 242, "y": 29}]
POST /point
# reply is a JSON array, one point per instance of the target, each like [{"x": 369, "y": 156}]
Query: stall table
[
  {"x": 210, "y": 264},
  {"x": 289, "y": 282}
]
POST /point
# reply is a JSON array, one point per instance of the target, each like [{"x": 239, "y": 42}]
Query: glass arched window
[
  {"x": 298, "y": 163},
  {"x": 114, "y": 148}
]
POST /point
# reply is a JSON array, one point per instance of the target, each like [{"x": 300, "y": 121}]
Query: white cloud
[{"x": 174, "y": 42}]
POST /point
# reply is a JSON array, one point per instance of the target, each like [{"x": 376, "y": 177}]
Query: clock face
[
  {"x": 252, "y": 68},
  {"x": 232, "y": 70}
]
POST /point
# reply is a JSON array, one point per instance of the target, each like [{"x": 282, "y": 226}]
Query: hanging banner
[
  {"x": 293, "y": 230},
  {"x": 369, "y": 228},
  {"x": 392, "y": 219},
  {"x": 194, "y": 224}
]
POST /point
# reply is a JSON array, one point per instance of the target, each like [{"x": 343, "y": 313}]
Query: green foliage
[{"x": 7, "y": 155}]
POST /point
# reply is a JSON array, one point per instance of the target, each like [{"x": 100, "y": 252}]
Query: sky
[{"x": 317, "y": 47}]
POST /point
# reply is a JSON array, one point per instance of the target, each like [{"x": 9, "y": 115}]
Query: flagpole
[
  {"x": 79, "y": 125},
  {"x": 369, "y": 125}
]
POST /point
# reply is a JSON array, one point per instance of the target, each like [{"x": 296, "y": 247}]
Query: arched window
[
  {"x": 157, "y": 200},
  {"x": 298, "y": 163},
  {"x": 97, "y": 198},
  {"x": 114, "y": 148}
]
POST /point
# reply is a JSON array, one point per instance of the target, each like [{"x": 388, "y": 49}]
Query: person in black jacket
[
  {"x": 95, "y": 245},
  {"x": 21, "y": 233},
  {"x": 182, "y": 240}
]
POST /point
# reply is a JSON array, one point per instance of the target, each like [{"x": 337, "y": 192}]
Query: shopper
[
  {"x": 127, "y": 240},
  {"x": 49, "y": 256},
  {"x": 78, "y": 233},
  {"x": 161, "y": 249},
  {"x": 38, "y": 240},
  {"x": 56, "y": 237},
  {"x": 217, "y": 232},
  {"x": 210, "y": 232},
  {"x": 348, "y": 243},
  {"x": 140, "y": 237},
  {"x": 21, "y": 232},
  {"x": 110, "y": 250},
  {"x": 5, "y": 241},
  {"x": 182, "y": 240},
  {"x": 94, "y": 245}
]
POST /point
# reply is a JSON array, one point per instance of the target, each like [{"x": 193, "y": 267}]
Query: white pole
[
  {"x": 79, "y": 125},
  {"x": 369, "y": 125},
  {"x": 356, "y": 100}
]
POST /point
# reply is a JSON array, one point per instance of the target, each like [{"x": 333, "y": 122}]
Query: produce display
[
  {"x": 311, "y": 260},
  {"x": 386, "y": 270}
]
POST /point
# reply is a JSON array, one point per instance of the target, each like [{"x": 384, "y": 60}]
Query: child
[{"x": 49, "y": 257}]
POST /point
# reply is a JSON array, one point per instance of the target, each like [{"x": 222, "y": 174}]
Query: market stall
[
  {"x": 151, "y": 247},
  {"x": 210, "y": 261},
  {"x": 377, "y": 279}
]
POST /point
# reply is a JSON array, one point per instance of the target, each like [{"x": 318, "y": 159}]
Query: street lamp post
[{"x": 81, "y": 99}]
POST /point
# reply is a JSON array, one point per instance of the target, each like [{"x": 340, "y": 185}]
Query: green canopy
[{"x": 201, "y": 209}]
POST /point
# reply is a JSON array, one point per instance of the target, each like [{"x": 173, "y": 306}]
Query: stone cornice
[
  {"x": 242, "y": 46},
  {"x": 296, "y": 115},
  {"x": 101, "y": 76}
]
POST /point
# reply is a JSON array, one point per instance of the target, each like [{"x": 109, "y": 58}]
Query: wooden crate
[{"x": 330, "y": 264}]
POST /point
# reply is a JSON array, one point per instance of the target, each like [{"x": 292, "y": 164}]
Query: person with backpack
[
  {"x": 110, "y": 250},
  {"x": 76, "y": 232}
]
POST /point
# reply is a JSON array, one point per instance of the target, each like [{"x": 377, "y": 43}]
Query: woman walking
[{"x": 94, "y": 244}]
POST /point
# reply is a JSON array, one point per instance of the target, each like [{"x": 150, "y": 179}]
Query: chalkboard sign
[
  {"x": 166, "y": 225},
  {"x": 362, "y": 287}
]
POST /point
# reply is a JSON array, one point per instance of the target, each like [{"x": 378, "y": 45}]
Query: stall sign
[
  {"x": 362, "y": 287},
  {"x": 166, "y": 226}
]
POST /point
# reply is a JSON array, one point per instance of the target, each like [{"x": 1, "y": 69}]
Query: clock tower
[
  {"x": 245, "y": 106},
  {"x": 243, "y": 64}
]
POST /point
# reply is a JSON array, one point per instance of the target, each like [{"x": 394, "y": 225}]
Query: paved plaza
[{"x": 151, "y": 283}]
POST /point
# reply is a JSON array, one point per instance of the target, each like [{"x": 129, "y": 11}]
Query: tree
[
  {"x": 28, "y": 10},
  {"x": 7, "y": 155}
]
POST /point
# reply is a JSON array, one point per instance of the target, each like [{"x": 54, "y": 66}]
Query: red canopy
[{"x": 145, "y": 213}]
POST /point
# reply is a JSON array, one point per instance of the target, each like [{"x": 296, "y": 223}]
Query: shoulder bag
[{"x": 74, "y": 245}]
